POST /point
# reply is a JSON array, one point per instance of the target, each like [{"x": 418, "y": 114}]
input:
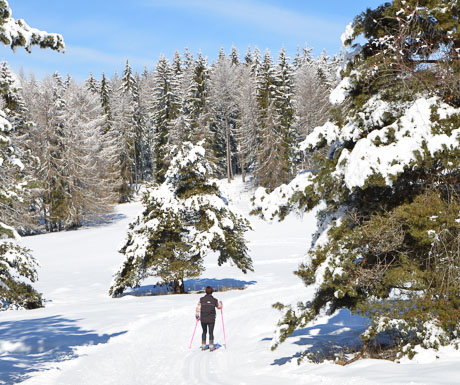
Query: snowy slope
[{"x": 83, "y": 336}]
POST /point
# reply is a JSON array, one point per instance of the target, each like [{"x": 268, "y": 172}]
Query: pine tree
[
  {"x": 92, "y": 84},
  {"x": 184, "y": 218},
  {"x": 197, "y": 106},
  {"x": 285, "y": 109},
  {"x": 387, "y": 247},
  {"x": 124, "y": 130},
  {"x": 17, "y": 33},
  {"x": 198, "y": 95},
  {"x": 17, "y": 266},
  {"x": 272, "y": 166},
  {"x": 235, "y": 56},
  {"x": 49, "y": 146},
  {"x": 105, "y": 91},
  {"x": 166, "y": 106},
  {"x": 256, "y": 62},
  {"x": 248, "y": 57}
]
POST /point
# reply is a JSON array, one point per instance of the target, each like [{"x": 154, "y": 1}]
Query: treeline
[
  {"x": 251, "y": 113},
  {"x": 86, "y": 146}
]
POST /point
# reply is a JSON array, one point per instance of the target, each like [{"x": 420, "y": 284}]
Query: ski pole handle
[{"x": 193, "y": 336}]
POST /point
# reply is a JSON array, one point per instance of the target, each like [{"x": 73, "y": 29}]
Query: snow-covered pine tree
[
  {"x": 285, "y": 109},
  {"x": 17, "y": 179},
  {"x": 130, "y": 89},
  {"x": 388, "y": 238},
  {"x": 248, "y": 57},
  {"x": 181, "y": 127},
  {"x": 17, "y": 266},
  {"x": 303, "y": 56},
  {"x": 272, "y": 168},
  {"x": 92, "y": 84},
  {"x": 48, "y": 145},
  {"x": 146, "y": 140},
  {"x": 105, "y": 91},
  {"x": 256, "y": 62},
  {"x": 183, "y": 219},
  {"x": 235, "y": 56},
  {"x": 166, "y": 108},
  {"x": 17, "y": 33},
  {"x": 123, "y": 131},
  {"x": 197, "y": 101}
]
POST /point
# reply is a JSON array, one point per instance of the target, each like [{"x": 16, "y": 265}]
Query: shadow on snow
[
  {"x": 26, "y": 345},
  {"x": 192, "y": 285},
  {"x": 103, "y": 220},
  {"x": 342, "y": 330}
]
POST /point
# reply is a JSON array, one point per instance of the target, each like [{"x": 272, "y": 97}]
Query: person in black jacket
[{"x": 206, "y": 311}]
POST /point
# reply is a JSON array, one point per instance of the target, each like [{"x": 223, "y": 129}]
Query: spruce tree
[
  {"x": 387, "y": 247},
  {"x": 92, "y": 84},
  {"x": 272, "y": 166},
  {"x": 17, "y": 266},
  {"x": 166, "y": 106},
  {"x": 183, "y": 219},
  {"x": 123, "y": 131},
  {"x": 197, "y": 95},
  {"x": 285, "y": 109},
  {"x": 105, "y": 91}
]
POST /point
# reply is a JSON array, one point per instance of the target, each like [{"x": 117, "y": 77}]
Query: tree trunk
[
  {"x": 229, "y": 156},
  {"x": 135, "y": 169},
  {"x": 178, "y": 286}
]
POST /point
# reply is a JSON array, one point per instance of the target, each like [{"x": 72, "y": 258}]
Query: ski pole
[
  {"x": 193, "y": 336},
  {"x": 223, "y": 327}
]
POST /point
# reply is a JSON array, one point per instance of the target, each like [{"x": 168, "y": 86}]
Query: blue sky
[{"x": 101, "y": 35}]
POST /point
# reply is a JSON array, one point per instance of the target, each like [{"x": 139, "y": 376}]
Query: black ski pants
[{"x": 205, "y": 326}]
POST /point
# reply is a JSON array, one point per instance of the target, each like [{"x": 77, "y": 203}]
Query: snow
[
  {"x": 348, "y": 34},
  {"x": 339, "y": 93},
  {"x": 411, "y": 132},
  {"x": 83, "y": 336},
  {"x": 270, "y": 203},
  {"x": 13, "y": 30},
  {"x": 389, "y": 150}
]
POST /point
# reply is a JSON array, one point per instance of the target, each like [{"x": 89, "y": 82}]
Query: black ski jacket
[{"x": 208, "y": 306}]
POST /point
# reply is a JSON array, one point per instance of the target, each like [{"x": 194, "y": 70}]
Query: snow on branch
[{"x": 17, "y": 33}]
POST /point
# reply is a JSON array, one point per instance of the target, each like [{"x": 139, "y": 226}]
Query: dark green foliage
[
  {"x": 16, "y": 267},
  {"x": 183, "y": 220},
  {"x": 390, "y": 247}
]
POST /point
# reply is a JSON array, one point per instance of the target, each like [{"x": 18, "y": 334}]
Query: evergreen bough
[
  {"x": 17, "y": 266},
  {"x": 388, "y": 195},
  {"x": 184, "y": 218}
]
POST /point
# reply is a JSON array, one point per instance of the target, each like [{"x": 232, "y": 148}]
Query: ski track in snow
[{"x": 83, "y": 336}]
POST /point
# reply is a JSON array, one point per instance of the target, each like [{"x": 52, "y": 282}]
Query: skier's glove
[{"x": 220, "y": 305}]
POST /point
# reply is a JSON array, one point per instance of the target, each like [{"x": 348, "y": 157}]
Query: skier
[{"x": 206, "y": 311}]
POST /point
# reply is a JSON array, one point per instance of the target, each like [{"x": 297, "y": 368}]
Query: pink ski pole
[
  {"x": 223, "y": 327},
  {"x": 194, "y": 330}
]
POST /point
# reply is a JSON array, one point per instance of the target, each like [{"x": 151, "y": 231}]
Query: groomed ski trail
[{"x": 84, "y": 337}]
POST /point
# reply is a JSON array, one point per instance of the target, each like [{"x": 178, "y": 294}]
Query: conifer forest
[{"x": 357, "y": 151}]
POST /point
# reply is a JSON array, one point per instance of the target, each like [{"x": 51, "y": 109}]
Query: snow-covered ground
[{"x": 83, "y": 336}]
